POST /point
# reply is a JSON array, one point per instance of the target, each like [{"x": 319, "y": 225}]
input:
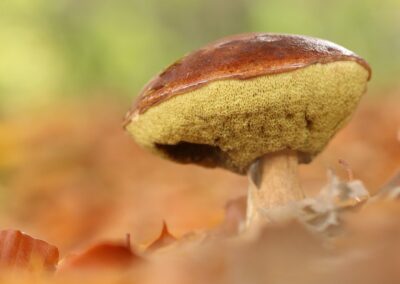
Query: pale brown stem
[{"x": 273, "y": 185}]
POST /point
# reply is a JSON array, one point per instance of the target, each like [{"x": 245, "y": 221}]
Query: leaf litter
[{"x": 339, "y": 236}]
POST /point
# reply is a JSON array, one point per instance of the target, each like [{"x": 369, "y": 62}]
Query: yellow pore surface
[{"x": 245, "y": 119}]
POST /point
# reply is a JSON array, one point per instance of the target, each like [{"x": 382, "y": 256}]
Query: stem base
[{"x": 273, "y": 184}]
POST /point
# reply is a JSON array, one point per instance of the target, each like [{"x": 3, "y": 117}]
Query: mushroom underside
[{"x": 230, "y": 123}]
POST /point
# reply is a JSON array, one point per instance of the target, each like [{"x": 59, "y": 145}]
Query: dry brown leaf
[
  {"x": 18, "y": 250},
  {"x": 105, "y": 255},
  {"x": 377, "y": 221},
  {"x": 369, "y": 250},
  {"x": 164, "y": 239},
  {"x": 276, "y": 254}
]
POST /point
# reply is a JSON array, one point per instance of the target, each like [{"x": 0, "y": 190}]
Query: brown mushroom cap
[
  {"x": 241, "y": 57},
  {"x": 243, "y": 96}
]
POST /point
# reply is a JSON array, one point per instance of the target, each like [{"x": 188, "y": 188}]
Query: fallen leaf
[
  {"x": 18, "y": 250},
  {"x": 277, "y": 253},
  {"x": 376, "y": 222},
  {"x": 163, "y": 240},
  {"x": 105, "y": 255}
]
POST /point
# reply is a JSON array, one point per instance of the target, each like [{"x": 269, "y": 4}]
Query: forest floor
[{"x": 71, "y": 176}]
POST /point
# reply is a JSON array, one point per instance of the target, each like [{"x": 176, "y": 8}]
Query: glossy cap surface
[{"x": 241, "y": 57}]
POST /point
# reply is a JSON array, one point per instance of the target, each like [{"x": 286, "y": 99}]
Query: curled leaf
[
  {"x": 18, "y": 250},
  {"x": 104, "y": 255},
  {"x": 165, "y": 238}
]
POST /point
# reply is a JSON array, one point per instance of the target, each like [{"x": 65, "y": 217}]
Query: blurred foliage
[{"x": 51, "y": 49}]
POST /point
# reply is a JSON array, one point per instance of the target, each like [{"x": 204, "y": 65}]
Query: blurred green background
[{"x": 65, "y": 48}]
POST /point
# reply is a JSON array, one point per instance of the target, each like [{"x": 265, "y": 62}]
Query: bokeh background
[
  {"x": 53, "y": 49},
  {"x": 69, "y": 70}
]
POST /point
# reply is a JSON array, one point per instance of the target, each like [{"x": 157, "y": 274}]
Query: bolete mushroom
[{"x": 255, "y": 104}]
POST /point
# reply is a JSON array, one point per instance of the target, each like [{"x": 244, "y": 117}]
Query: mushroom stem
[{"x": 274, "y": 183}]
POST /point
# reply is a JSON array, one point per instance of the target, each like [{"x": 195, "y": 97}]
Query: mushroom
[{"x": 256, "y": 104}]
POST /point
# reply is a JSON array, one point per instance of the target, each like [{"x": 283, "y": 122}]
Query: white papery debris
[{"x": 322, "y": 212}]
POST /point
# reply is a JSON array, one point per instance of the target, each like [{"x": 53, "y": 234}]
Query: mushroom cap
[{"x": 241, "y": 97}]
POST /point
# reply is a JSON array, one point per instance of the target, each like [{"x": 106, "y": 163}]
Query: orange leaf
[
  {"x": 103, "y": 255},
  {"x": 22, "y": 251},
  {"x": 163, "y": 240}
]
